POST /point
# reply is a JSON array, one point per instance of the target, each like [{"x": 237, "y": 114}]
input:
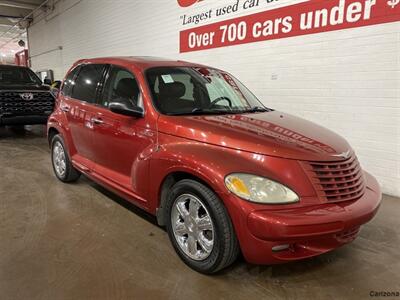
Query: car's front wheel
[
  {"x": 62, "y": 165},
  {"x": 200, "y": 228}
]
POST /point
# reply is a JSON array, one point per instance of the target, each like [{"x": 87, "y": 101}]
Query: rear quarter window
[{"x": 69, "y": 82}]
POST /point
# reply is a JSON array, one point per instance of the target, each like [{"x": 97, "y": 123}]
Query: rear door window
[{"x": 87, "y": 82}]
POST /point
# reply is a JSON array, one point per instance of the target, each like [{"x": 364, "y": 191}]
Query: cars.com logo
[{"x": 187, "y": 3}]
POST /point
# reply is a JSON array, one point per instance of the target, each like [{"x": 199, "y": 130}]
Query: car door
[
  {"x": 122, "y": 143},
  {"x": 80, "y": 108}
]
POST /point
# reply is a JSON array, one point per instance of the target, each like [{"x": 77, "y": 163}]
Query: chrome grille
[
  {"x": 12, "y": 103},
  {"x": 337, "y": 181}
]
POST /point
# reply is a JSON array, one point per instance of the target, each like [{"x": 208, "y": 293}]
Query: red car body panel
[
  {"x": 134, "y": 156},
  {"x": 273, "y": 134}
]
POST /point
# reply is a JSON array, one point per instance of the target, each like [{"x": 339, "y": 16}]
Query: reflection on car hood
[{"x": 269, "y": 133}]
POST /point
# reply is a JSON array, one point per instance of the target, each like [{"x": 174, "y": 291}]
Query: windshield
[
  {"x": 189, "y": 90},
  {"x": 16, "y": 75}
]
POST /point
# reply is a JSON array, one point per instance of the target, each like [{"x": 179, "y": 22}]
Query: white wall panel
[{"x": 347, "y": 80}]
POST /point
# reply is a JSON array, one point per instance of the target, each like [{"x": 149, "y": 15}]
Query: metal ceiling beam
[
  {"x": 11, "y": 17},
  {"x": 18, "y": 4}
]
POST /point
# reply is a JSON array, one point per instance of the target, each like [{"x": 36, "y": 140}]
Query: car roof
[{"x": 141, "y": 62}]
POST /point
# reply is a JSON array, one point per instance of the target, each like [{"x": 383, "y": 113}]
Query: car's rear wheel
[
  {"x": 62, "y": 165},
  {"x": 199, "y": 227}
]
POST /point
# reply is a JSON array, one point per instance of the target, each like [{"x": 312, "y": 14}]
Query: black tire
[
  {"x": 226, "y": 247},
  {"x": 70, "y": 174}
]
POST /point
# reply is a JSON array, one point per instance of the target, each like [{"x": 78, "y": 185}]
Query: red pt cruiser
[{"x": 193, "y": 146}]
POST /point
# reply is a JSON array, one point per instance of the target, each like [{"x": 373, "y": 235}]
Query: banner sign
[{"x": 314, "y": 16}]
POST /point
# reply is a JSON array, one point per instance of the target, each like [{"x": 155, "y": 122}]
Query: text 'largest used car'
[{"x": 193, "y": 146}]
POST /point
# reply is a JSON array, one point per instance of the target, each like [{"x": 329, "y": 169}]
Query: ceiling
[{"x": 11, "y": 12}]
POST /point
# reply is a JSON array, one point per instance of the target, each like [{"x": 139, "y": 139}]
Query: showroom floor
[{"x": 78, "y": 241}]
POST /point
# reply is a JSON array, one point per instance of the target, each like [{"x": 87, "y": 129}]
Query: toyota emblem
[{"x": 26, "y": 96}]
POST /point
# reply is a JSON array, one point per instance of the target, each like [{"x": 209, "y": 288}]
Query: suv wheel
[
  {"x": 62, "y": 165},
  {"x": 199, "y": 227}
]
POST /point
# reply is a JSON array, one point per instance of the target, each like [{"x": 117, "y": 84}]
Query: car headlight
[{"x": 259, "y": 189}]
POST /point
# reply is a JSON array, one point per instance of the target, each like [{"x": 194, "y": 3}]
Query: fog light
[{"x": 280, "y": 248}]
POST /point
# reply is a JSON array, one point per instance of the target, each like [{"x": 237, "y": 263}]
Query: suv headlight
[{"x": 259, "y": 189}]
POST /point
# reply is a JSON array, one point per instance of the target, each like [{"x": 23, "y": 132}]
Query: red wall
[{"x": 22, "y": 58}]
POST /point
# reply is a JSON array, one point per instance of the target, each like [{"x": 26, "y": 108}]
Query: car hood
[
  {"x": 270, "y": 133},
  {"x": 24, "y": 87}
]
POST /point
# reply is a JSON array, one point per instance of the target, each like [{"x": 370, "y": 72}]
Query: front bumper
[
  {"x": 308, "y": 231},
  {"x": 24, "y": 119}
]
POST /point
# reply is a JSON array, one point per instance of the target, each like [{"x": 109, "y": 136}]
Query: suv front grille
[
  {"x": 337, "y": 181},
  {"x": 12, "y": 103}
]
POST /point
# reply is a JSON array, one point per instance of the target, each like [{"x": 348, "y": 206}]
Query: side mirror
[
  {"x": 47, "y": 81},
  {"x": 123, "y": 109}
]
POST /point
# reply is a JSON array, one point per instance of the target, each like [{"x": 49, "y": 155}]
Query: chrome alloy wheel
[
  {"x": 59, "y": 160},
  {"x": 192, "y": 226}
]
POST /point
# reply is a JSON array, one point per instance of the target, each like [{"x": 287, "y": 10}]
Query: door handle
[{"x": 97, "y": 121}]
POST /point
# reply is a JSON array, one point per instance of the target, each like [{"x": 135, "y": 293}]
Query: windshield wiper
[
  {"x": 256, "y": 109},
  {"x": 208, "y": 111},
  {"x": 201, "y": 111}
]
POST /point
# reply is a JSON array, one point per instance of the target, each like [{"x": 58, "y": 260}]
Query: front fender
[
  {"x": 211, "y": 164},
  {"x": 179, "y": 158},
  {"x": 58, "y": 121}
]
